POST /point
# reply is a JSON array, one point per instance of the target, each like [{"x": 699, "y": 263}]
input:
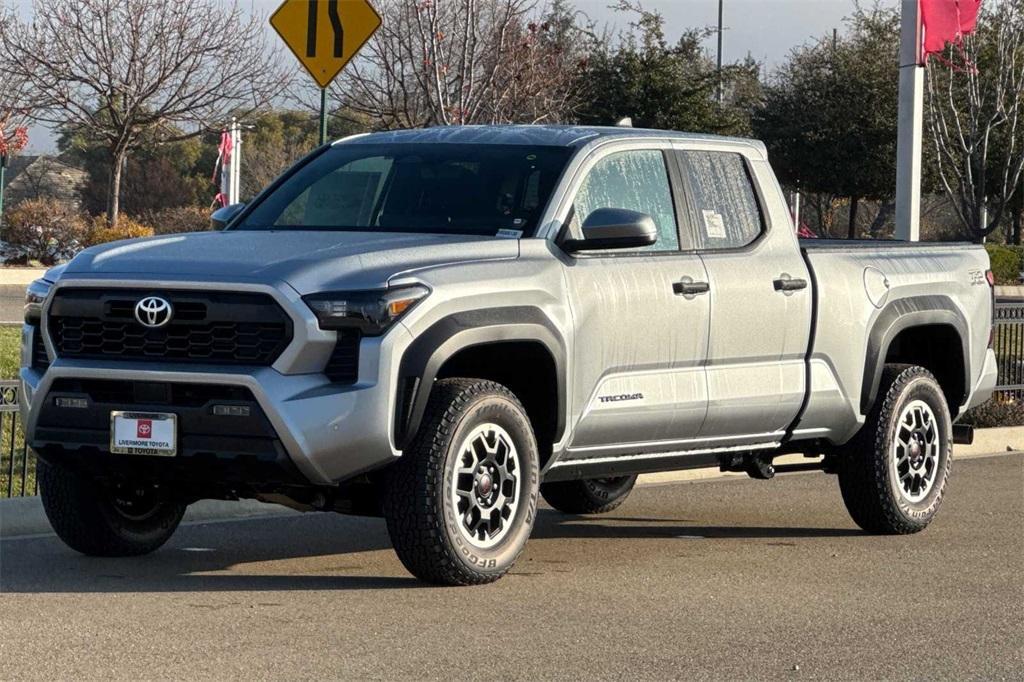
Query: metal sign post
[
  {"x": 324, "y": 35},
  {"x": 323, "y": 115}
]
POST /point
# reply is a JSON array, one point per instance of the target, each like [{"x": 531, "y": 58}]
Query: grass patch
[
  {"x": 17, "y": 465},
  {"x": 10, "y": 350}
]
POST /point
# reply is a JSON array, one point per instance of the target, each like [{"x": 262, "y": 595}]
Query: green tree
[
  {"x": 666, "y": 86},
  {"x": 158, "y": 175},
  {"x": 829, "y": 115}
]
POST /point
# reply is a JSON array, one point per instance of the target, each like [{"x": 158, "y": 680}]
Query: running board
[{"x": 626, "y": 465}]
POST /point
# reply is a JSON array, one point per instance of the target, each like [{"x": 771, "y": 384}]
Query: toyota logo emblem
[{"x": 153, "y": 312}]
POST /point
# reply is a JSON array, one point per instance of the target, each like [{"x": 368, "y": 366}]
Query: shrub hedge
[{"x": 1007, "y": 262}]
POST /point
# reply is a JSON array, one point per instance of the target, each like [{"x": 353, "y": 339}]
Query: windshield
[{"x": 431, "y": 188}]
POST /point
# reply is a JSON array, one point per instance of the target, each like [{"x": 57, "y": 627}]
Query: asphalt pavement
[{"x": 727, "y": 579}]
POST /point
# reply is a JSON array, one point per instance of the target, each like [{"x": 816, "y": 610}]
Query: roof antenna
[{"x": 626, "y": 122}]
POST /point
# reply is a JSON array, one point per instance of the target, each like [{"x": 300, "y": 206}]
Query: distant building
[{"x": 43, "y": 177}]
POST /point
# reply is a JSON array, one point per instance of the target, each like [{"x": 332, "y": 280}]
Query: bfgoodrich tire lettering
[
  {"x": 883, "y": 496},
  {"x": 423, "y": 520},
  {"x": 588, "y": 496}
]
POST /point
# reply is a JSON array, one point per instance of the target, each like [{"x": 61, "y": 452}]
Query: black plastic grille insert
[{"x": 206, "y": 327}]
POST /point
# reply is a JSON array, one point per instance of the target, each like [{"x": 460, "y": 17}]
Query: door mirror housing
[
  {"x": 614, "y": 228},
  {"x": 223, "y": 216}
]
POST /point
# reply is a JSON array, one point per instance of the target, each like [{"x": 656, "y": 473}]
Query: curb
[{"x": 24, "y": 517}]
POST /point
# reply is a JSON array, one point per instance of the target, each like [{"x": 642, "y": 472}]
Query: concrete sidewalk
[
  {"x": 25, "y": 516},
  {"x": 13, "y": 281}
]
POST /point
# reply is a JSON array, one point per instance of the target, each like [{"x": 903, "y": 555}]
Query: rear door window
[{"x": 728, "y": 215}]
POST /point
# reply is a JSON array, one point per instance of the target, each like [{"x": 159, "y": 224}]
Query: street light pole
[{"x": 721, "y": 17}]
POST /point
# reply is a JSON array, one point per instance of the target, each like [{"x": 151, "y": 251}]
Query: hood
[{"x": 308, "y": 261}]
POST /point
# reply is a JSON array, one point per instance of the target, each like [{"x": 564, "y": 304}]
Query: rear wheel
[
  {"x": 461, "y": 502},
  {"x": 894, "y": 473},
  {"x": 126, "y": 520},
  {"x": 588, "y": 496}
]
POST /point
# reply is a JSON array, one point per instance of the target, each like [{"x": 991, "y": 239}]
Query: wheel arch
[
  {"x": 929, "y": 331},
  {"x": 518, "y": 347}
]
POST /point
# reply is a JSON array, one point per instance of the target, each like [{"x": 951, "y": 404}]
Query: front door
[{"x": 641, "y": 318}]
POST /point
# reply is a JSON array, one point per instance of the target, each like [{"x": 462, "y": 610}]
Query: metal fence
[
  {"x": 18, "y": 462},
  {"x": 1008, "y": 343}
]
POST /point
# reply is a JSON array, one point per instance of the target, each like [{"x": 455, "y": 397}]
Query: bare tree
[
  {"x": 977, "y": 119},
  {"x": 467, "y": 61},
  {"x": 118, "y": 69},
  {"x": 14, "y": 100}
]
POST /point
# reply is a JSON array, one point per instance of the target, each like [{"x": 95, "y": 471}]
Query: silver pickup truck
[{"x": 441, "y": 326}]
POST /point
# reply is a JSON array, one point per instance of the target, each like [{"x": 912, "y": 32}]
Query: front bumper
[{"x": 329, "y": 432}]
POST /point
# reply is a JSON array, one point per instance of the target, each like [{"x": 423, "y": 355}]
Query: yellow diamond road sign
[{"x": 325, "y": 34}]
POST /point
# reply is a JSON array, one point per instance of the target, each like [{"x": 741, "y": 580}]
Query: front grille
[
  {"x": 207, "y": 327},
  {"x": 343, "y": 367}
]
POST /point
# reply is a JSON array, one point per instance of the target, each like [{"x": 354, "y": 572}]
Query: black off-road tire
[
  {"x": 86, "y": 517},
  {"x": 422, "y": 521},
  {"x": 588, "y": 496},
  {"x": 870, "y": 491}
]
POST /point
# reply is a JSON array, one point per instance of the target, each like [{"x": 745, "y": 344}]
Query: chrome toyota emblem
[{"x": 153, "y": 311}]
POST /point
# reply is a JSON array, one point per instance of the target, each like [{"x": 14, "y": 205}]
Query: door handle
[
  {"x": 686, "y": 288},
  {"x": 789, "y": 284}
]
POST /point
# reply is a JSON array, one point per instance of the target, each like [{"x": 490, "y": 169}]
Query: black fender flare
[
  {"x": 425, "y": 356},
  {"x": 900, "y": 315}
]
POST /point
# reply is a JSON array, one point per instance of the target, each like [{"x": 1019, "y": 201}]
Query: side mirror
[
  {"x": 222, "y": 216},
  {"x": 615, "y": 228}
]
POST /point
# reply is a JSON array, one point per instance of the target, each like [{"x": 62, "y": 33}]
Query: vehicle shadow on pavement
[
  {"x": 307, "y": 552},
  {"x": 558, "y": 525}
]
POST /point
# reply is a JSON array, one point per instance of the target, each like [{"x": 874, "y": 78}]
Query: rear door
[{"x": 760, "y": 295}]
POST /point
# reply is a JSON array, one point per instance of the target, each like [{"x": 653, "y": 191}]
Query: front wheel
[
  {"x": 126, "y": 520},
  {"x": 461, "y": 502},
  {"x": 893, "y": 474}
]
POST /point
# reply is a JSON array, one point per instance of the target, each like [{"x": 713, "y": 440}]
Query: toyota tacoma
[{"x": 442, "y": 326}]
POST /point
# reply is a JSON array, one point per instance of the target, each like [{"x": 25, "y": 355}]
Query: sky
[{"x": 765, "y": 29}]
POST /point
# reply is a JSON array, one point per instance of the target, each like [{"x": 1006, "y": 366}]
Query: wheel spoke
[{"x": 485, "y": 485}]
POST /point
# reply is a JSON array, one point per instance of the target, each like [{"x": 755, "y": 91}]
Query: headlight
[
  {"x": 371, "y": 312},
  {"x": 35, "y": 296}
]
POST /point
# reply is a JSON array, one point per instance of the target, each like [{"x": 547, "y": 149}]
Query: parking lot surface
[{"x": 728, "y": 579}]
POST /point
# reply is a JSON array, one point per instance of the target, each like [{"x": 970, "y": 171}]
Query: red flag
[{"x": 947, "y": 21}]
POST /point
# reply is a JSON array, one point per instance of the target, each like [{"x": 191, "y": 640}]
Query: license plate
[{"x": 144, "y": 433}]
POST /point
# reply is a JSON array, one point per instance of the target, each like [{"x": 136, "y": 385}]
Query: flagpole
[{"x": 911, "y": 125}]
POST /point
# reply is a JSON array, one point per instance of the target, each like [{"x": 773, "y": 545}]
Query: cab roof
[{"x": 533, "y": 135}]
